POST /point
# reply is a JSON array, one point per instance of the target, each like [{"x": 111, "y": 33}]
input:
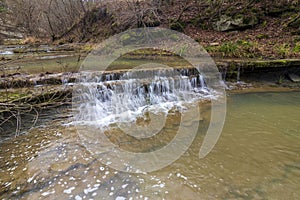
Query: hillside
[{"x": 234, "y": 29}]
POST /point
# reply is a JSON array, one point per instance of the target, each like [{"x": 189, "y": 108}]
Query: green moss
[
  {"x": 2, "y": 9},
  {"x": 283, "y": 50},
  {"x": 238, "y": 49},
  {"x": 264, "y": 24},
  {"x": 212, "y": 49},
  {"x": 87, "y": 48},
  {"x": 125, "y": 37},
  {"x": 262, "y": 36},
  {"x": 229, "y": 48},
  {"x": 296, "y": 49},
  {"x": 283, "y": 61},
  {"x": 12, "y": 96},
  {"x": 19, "y": 50},
  {"x": 174, "y": 37},
  {"x": 244, "y": 43}
]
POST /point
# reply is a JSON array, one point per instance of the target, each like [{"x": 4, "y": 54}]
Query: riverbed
[{"x": 256, "y": 157}]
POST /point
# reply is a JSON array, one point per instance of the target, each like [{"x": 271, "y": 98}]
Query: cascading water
[{"x": 104, "y": 99}]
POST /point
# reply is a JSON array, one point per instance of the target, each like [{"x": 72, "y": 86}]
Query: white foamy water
[
  {"x": 102, "y": 100},
  {"x": 6, "y": 53}
]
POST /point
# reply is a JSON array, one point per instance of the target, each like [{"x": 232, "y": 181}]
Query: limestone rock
[{"x": 237, "y": 22}]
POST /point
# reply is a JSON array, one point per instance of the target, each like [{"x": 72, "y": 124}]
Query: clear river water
[{"x": 256, "y": 157}]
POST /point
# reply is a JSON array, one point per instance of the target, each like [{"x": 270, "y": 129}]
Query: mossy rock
[{"x": 236, "y": 22}]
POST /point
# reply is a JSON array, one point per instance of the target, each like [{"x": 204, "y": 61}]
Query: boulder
[{"x": 237, "y": 22}]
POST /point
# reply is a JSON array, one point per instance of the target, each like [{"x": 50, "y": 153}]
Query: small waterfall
[
  {"x": 238, "y": 74},
  {"x": 224, "y": 73},
  {"x": 104, "y": 99}
]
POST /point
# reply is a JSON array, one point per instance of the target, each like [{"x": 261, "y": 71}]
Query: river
[{"x": 256, "y": 157}]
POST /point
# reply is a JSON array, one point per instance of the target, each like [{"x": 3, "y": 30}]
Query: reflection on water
[{"x": 257, "y": 157}]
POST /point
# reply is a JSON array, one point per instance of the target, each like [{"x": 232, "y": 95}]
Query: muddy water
[{"x": 256, "y": 157}]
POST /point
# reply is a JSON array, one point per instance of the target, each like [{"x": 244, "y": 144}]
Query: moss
[
  {"x": 229, "y": 48},
  {"x": 283, "y": 50},
  {"x": 264, "y": 24},
  {"x": 125, "y": 37},
  {"x": 13, "y": 96},
  {"x": 296, "y": 49},
  {"x": 2, "y": 9},
  {"x": 238, "y": 49},
  {"x": 174, "y": 37},
  {"x": 212, "y": 49},
  {"x": 87, "y": 47},
  {"x": 262, "y": 36},
  {"x": 19, "y": 50},
  {"x": 244, "y": 43}
]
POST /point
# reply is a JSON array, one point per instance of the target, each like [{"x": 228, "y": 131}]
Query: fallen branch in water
[{"x": 15, "y": 112}]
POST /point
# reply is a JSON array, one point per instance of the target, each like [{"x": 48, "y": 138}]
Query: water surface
[{"x": 256, "y": 157}]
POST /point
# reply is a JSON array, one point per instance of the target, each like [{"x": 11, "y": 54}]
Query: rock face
[{"x": 237, "y": 22}]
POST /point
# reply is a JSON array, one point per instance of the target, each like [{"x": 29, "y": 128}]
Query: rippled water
[{"x": 256, "y": 157}]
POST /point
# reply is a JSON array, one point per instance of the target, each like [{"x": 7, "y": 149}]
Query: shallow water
[{"x": 256, "y": 157}]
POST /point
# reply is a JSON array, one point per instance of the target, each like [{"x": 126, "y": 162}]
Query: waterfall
[
  {"x": 104, "y": 99},
  {"x": 238, "y": 74}
]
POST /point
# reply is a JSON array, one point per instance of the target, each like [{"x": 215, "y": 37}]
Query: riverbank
[
  {"x": 47, "y": 65},
  {"x": 51, "y": 68}
]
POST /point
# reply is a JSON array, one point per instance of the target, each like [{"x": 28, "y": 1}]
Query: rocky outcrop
[{"x": 237, "y": 22}]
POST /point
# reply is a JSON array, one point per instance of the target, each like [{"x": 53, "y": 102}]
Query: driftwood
[{"x": 13, "y": 112}]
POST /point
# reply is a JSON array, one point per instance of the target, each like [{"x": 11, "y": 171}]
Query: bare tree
[
  {"x": 135, "y": 13},
  {"x": 49, "y": 18}
]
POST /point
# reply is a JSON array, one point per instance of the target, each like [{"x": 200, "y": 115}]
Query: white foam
[
  {"x": 77, "y": 197},
  {"x": 102, "y": 104},
  {"x": 69, "y": 190},
  {"x": 120, "y": 198},
  {"x": 48, "y": 193},
  {"x": 6, "y": 53},
  {"x": 90, "y": 190}
]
